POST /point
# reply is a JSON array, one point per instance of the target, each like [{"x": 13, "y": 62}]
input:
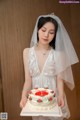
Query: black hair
[{"x": 44, "y": 20}]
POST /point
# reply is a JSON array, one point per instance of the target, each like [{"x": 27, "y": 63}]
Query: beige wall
[{"x": 17, "y": 20}]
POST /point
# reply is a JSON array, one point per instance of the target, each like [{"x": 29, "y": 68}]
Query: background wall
[{"x": 17, "y": 20}]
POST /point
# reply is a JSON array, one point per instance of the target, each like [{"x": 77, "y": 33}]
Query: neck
[{"x": 43, "y": 47}]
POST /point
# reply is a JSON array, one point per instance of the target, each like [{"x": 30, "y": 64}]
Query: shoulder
[{"x": 25, "y": 51}]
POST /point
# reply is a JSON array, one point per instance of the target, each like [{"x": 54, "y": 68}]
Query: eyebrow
[{"x": 50, "y": 29}]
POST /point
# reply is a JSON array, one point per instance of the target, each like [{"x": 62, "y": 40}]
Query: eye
[
  {"x": 43, "y": 30},
  {"x": 52, "y": 32}
]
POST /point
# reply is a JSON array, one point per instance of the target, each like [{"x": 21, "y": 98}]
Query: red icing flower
[
  {"x": 41, "y": 93},
  {"x": 39, "y": 100},
  {"x": 50, "y": 99}
]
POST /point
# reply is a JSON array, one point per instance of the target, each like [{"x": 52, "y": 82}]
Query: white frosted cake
[{"x": 41, "y": 99}]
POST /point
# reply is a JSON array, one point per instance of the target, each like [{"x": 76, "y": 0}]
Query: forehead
[{"x": 49, "y": 25}]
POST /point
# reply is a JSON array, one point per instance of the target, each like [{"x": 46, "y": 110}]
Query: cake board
[{"x": 55, "y": 112}]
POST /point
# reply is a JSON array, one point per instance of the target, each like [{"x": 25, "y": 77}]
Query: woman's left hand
[{"x": 61, "y": 101}]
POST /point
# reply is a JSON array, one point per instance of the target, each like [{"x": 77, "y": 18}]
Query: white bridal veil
[{"x": 64, "y": 52}]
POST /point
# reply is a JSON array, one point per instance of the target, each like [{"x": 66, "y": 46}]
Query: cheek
[
  {"x": 51, "y": 37},
  {"x": 40, "y": 34}
]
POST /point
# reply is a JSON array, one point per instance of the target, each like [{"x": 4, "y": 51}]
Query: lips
[{"x": 45, "y": 39}]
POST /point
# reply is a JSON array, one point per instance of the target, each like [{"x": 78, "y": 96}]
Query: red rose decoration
[
  {"x": 39, "y": 100},
  {"x": 50, "y": 99}
]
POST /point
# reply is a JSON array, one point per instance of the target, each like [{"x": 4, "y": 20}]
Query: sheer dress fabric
[{"x": 45, "y": 78}]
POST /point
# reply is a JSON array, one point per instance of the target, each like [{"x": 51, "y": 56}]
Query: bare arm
[
  {"x": 60, "y": 88},
  {"x": 28, "y": 81}
]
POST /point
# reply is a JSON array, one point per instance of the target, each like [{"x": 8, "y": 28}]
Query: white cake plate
[{"x": 55, "y": 112}]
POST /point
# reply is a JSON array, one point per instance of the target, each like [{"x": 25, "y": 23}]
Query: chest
[
  {"x": 41, "y": 59},
  {"x": 39, "y": 64}
]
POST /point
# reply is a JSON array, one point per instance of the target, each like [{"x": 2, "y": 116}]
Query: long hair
[{"x": 44, "y": 20}]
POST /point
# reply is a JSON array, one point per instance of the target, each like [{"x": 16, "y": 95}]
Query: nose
[{"x": 46, "y": 34}]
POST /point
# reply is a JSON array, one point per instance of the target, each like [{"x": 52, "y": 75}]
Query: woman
[{"x": 48, "y": 62}]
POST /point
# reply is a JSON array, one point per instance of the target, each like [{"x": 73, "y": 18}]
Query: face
[{"x": 46, "y": 33}]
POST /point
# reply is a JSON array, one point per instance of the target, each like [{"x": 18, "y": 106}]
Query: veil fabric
[{"x": 64, "y": 53}]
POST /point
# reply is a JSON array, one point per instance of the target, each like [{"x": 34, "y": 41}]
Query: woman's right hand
[{"x": 23, "y": 102}]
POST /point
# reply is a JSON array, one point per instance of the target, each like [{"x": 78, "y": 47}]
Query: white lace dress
[{"x": 45, "y": 78}]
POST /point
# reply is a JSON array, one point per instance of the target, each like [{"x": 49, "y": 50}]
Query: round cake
[{"x": 41, "y": 99}]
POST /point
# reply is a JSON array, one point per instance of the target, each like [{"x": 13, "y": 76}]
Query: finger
[
  {"x": 62, "y": 104},
  {"x": 21, "y": 105}
]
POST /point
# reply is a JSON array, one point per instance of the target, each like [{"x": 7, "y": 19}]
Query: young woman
[{"x": 48, "y": 62}]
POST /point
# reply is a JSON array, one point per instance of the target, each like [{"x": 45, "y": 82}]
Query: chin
[{"x": 45, "y": 42}]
